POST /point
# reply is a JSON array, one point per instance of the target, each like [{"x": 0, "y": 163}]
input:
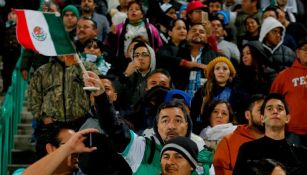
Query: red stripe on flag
[{"x": 22, "y": 31}]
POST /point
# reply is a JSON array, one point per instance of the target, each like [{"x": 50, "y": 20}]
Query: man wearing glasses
[{"x": 292, "y": 83}]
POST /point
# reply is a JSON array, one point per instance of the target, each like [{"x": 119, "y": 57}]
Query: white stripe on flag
[{"x": 37, "y": 19}]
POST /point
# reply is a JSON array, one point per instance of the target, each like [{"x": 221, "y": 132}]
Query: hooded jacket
[
  {"x": 226, "y": 153},
  {"x": 292, "y": 84}
]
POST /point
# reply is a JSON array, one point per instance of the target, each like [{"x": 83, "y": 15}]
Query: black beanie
[{"x": 185, "y": 146}]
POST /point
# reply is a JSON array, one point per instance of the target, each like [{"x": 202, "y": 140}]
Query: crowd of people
[{"x": 182, "y": 87}]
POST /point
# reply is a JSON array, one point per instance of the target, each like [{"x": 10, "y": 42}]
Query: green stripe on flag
[{"x": 62, "y": 43}]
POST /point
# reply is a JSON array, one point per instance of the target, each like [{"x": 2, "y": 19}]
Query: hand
[
  {"x": 91, "y": 79},
  {"x": 76, "y": 145},
  {"x": 24, "y": 74},
  {"x": 132, "y": 67}
]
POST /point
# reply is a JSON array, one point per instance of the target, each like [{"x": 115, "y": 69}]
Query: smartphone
[
  {"x": 204, "y": 17},
  {"x": 88, "y": 142}
]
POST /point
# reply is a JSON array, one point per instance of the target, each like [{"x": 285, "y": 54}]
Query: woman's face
[
  {"x": 219, "y": 115},
  {"x": 221, "y": 73},
  {"x": 247, "y": 56},
  {"x": 178, "y": 32},
  {"x": 251, "y": 25},
  {"x": 135, "y": 13},
  {"x": 142, "y": 55}
]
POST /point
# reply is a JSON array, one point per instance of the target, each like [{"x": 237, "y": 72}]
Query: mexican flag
[{"x": 43, "y": 33}]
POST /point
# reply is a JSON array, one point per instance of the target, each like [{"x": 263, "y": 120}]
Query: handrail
[{"x": 10, "y": 116}]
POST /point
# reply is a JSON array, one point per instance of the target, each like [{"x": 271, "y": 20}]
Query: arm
[
  {"x": 222, "y": 158},
  {"x": 53, "y": 160}
]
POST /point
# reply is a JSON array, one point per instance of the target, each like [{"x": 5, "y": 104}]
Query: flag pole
[{"x": 90, "y": 88}]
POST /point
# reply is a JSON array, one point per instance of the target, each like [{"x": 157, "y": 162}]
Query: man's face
[
  {"x": 196, "y": 16},
  {"x": 158, "y": 79},
  {"x": 214, "y": 7},
  {"x": 173, "y": 163},
  {"x": 172, "y": 123},
  {"x": 302, "y": 55},
  {"x": 142, "y": 55},
  {"x": 88, "y": 6},
  {"x": 70, "y": 20},
  {"x": 109, "y": 89},
  {"x": 273, "y": 37},
  {"x": 255, "y": 115},
  {"x": 197, "y": 35},
  {"x": 70, "y": 164},
  {"x": 217, "y": 28},
  {"x": 85, "y": 30},
  {"x": 246, "y": 5},
  {"x": 275, "y": 116}
]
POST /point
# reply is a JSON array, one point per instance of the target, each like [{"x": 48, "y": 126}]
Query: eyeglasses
[
  {"x": 304, "y": 48},
  {"x": 142, "y": 54}
]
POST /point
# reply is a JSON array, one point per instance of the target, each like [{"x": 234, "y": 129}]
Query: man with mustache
[
  {"x": 86, "y": 30},
  {"x": 179, "y": 156},
  {"x": 88, "y": 11},
  {"x": 143, "y": 153},
  {"x": 275, "y": 116}
]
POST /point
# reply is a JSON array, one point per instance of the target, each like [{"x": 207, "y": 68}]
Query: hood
[
  {"x": 268, "y": 24},
  {"x": 244, "y": 132},
  {"x": 152, "y": 60},
  {"x": 157, "y": 135}
]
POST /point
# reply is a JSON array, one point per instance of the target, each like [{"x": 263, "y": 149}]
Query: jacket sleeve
[
  {"x": 35, "y": 94},
  {"x": 222, "y": 158},
  {"x": 116, "y": 129},
  {"x": 277, "y": 85}
]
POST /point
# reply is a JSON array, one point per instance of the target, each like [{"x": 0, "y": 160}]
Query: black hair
[
  {"x": 213, "y": 1},
  {"x": 49, "y": 134},
  {"x": 216, "y": 18},
  {"x": 90, "y": 42},
  {"x": 271, "y": 8},
  {"x": 94, "y": 23},
  {"x": 162, "y": 71},
  {"x": 139, "y": 44},
  {"x": 254, "y": 18},
  {"x": 138, "y": 3},
  {"x": 116, "y": 85},
  {"x": 266, "y": 166},
  {"x": 276, "y": 96},
  {"x": 173, "y": 23},
  {"x": 254, "y": 98},
  {"x": 209, "y": 109}
]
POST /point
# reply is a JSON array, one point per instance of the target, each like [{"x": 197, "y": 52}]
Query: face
[
  {"x": 302, "y": 55},
  {"x": 142, "y": 55},
  {"x": 157, "y": 79},
  {"x": 85, "y": 30},
  {"x": 172, "y": 123},
  {"x": 217, "y": 28},
  {"x": 178, "y": 32},
  {"x": 219, "y": 115},
  {"x": 269, "y": 13},
  {"x": 196, "y": 16},
  {"x": 278, "y": 171},
  {"x": 246, "y": 5},
  {"x": 92, "y": 48},
  {"x": 135, "y": 13},
  {"x": 255, "y": 114},
  {"x": 172, "y": 13},
  {"x": 273, "y": 37},
  {"x": 214, "y": 7},
  {"x": 221, "y": 73},
  {"x": 197, "y": 35},
  {"x": 69, "y": 19},
  {"x": 12, "y": 16},
  {"x": 275, "y": 116},
  {"x": 174, "y": 163},
  {"x": 71, "y": 162},
  {"x": 247, "y": 58},
  {"x": 88, "y": 6},
  {"x": 251, "y": 25},
  {"x": 109, "y": 89}
]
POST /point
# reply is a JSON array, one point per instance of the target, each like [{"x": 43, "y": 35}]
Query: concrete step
[
  {"x": 25, "y": 129},
  {"x": 23, "y": 142},
  {"x": 26, "y": 117}
]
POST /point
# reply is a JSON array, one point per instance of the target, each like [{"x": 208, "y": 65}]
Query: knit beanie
[
  {"x": 72, "y": 9},
  {"x": 185, "y": 146},
  {"x": 219, "y": 59}
]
